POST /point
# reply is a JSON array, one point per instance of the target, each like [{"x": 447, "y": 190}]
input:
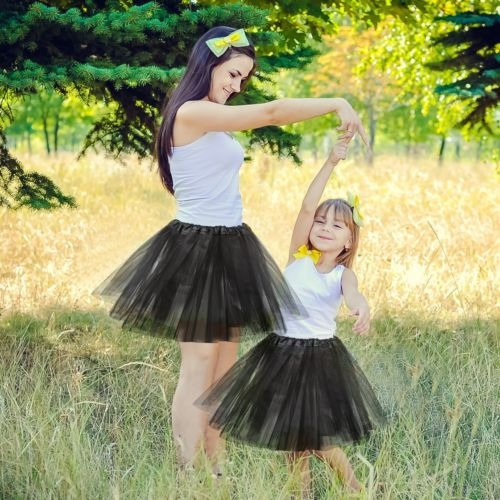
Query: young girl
[
  {"x": 205, "y": 276},
  {"x": 301, "y": 390}
]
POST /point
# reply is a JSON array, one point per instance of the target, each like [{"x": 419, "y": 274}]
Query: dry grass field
[{"x": 85, "y": 407}]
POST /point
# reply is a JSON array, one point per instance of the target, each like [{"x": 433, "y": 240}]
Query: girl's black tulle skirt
[
  {"x": 200, "y": 284},
  {"x": 294, "y": 394}
]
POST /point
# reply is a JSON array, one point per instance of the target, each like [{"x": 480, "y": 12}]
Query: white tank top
[
  {"x": 205, "y": 176},
  {"x": 321, "y": 296}
]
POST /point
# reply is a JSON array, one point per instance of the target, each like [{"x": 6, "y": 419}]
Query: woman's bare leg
[
  {"x": 301, "y": 459},
  {"x": 214, "y": 444},
  {"x": 198, "y": 362},
  {"x": 339, "y": 462}
]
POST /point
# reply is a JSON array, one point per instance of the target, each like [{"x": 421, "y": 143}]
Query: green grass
[{"x": 85, "y": 413}]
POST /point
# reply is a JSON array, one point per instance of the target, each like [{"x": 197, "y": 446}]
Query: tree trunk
[
  {"x": 46, "y": 134},
  {"x": 441, "y": 149},
  {"x": 479, "y": 149},
  {"x": 372, "y": 123},
  {"x": 56, "y": 131}
]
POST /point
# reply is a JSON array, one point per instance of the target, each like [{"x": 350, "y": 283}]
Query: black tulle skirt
[
  {"x": 200, "y": 284},
  {"x": 294, "y": 394}
]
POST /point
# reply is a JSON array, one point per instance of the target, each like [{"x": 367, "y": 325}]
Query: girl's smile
[{"x": 329, "y": 233}]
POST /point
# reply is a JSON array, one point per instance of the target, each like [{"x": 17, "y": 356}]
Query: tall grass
[{"x": 85, "y": 407}]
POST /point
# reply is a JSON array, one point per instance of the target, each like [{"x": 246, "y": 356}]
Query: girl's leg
[
  {"x": 214, "y": 445},
  {"x": 198, "y": 361},
  {"x": 339, "y": 462},
  {"x": 300, "y": 459}
]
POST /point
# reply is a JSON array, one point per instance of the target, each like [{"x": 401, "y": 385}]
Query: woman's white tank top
[
  {"x": 205, "y": 176},
  {"x": 321, "y": 296}
]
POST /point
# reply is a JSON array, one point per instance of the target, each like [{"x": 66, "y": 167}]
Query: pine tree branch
[{"x": 20, "y": 189}]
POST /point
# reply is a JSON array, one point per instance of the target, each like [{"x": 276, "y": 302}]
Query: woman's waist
[{"x": 210, "y": 217}]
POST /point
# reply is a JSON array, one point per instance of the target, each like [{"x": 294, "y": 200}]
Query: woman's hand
[{"x": 350, "y": 122}]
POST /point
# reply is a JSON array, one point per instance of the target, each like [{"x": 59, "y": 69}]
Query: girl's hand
[
  {"x": 350, "y": 122},
  {"x": 362, "y": 324},
  {"x": 339, "y": 151}
]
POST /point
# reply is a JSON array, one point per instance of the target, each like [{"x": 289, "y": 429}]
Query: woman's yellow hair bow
[
  {"x": 353, "y": 201},
  {"x": 303, "y": 251},
  {"x": 219, "y": 45}
]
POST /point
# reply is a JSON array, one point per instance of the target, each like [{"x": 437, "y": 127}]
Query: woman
[{"x": 205, "y": 278}]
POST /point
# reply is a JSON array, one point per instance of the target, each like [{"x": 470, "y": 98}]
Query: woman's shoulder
[
  {"x": 185, "y": 116},
  {"x": 188, "y": 109},
  {"x": 185, "y": 132}
]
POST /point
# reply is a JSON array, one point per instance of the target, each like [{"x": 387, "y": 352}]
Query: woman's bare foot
[{"x": 354, "y": 485}]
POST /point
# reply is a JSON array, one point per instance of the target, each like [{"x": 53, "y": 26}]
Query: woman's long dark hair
[{"x": 194, "y": 85}]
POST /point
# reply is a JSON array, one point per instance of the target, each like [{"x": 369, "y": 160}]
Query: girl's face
[
  {"x": 330, "y": 233},
  {"x": 228, "y": 77}
]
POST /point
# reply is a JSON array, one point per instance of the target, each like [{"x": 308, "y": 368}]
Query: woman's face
[{"x": 228, "y": 77}]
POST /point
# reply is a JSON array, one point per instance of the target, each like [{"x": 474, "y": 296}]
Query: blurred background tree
[{"x": 94, "y": 74}]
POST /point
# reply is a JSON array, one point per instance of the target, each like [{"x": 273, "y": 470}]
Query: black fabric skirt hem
[
  {"x": 199, "y": 283},
  {"x": 294, "y": 394}
]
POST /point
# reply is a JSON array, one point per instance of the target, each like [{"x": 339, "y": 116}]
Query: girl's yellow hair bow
[
  {"x": 353, "y": 201},
  {"x": 219, "y": 45},
  {"x": 303, "y": 251}
]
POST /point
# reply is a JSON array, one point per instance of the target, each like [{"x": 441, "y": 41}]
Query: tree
[
  {"x": 474, "y": 61},
  {"x": 403, "y": 53},
  {"x": 347, "y": 68},
  {"x": 63, "y": 120},
  {"x": 21, "y": 189},
  {"x": 127, "y": 56}
]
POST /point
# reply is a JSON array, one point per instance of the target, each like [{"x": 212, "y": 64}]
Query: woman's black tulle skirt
[
  {"x": 294, "y": 394},
  {"x": 200, "y": 284}
]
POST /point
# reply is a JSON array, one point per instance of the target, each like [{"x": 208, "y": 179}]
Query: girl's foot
[{"x": 217, "y": 472}]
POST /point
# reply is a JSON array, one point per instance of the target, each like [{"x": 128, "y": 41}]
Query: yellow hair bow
[
  {"x": 219, "y": 45},
  {"x": 303, "y": 251},
  {"x": 353, "y": 201}
]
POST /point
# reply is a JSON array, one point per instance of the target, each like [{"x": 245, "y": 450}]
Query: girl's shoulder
[{"x": 349, "y": 276}]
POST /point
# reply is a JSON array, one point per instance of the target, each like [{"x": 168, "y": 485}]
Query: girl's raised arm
[
  {"x": 305, "y": 218},
  {"x": 206, "y": 116}
]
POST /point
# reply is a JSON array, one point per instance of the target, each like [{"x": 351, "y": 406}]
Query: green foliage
[
  {"x": 21, "y": 189},
  {"x": 127, "y": 56},
  {"x": 474, "y": 62},
  {"x": 302, "y": 20}
]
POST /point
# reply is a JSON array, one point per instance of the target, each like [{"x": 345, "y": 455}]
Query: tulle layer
[
  {"x": 198, "y": 284},
  {"x": 294, "y": 394}
]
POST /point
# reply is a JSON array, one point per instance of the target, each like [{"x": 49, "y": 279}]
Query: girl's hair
[
  {"x": 342, "y": 211},
  {"x": 194, "y": 85}
]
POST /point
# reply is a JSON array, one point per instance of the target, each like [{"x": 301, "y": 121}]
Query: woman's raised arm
[{"x": 206, "y": 116}]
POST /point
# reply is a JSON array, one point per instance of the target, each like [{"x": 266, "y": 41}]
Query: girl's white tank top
[{"x": 319, "y": 293}]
